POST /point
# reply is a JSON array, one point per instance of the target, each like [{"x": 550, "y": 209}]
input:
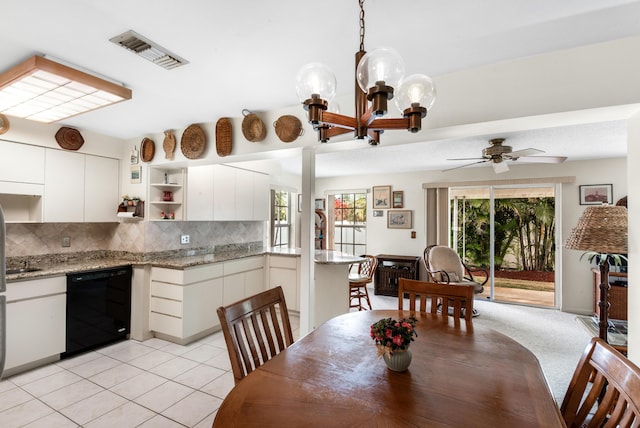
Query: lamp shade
[{"x": 601, "y": 229}]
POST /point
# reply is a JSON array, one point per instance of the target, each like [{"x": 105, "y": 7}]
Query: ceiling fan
[{"x": 497, "y": 154}]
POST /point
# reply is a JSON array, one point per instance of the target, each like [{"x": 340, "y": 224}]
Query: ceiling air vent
[{"x": 147, "y": 49}]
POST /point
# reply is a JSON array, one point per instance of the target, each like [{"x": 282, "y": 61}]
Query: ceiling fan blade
[
  {"x": 457, "y": 159},
  {"x": 500, "y": 167},
  {"x": 542, "y": 159},
  {"x": 465, "y": 165},
  {"x": 522, "y": 153}
]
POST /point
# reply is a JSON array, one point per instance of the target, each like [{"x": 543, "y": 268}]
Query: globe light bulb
[
  {"x": 381, "y": 65},
  {"x": 416, "y": 88},
  {"x": 315, "y": 78}
]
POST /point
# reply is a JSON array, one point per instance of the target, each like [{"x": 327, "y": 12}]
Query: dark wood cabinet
[
  {"x": 617, "y": 294},
  {"x": 390, "y": 269}
]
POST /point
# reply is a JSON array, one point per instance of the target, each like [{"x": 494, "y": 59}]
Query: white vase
[{"x": 398, "y": 361}]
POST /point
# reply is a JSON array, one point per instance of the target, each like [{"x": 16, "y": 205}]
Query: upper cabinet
[
  {"x": 101, "y": 186},
  {"x": 80, "y": 188},
  {"x": 21, "y": 182},
  {"x": 64, "y": 187},
  {"x": 224, "y": 193},
  {"x": 166, "y": 193}
]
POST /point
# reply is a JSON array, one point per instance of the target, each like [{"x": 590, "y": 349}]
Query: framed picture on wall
[
  {"x": 136, "y": 172},
  {"x": 398, "y": 199},
  {"x": 378, "y": 213},
  {"x": 381, "y": 197},
  {"x": 399, "y": 219},
  {"x": 596, "y": 194}
]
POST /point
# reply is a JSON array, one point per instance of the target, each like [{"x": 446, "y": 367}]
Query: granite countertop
[
  {"x": 330, "y": 257},
  {"x": 61, "y": 264},
  {"x": 56, "y": 265}
]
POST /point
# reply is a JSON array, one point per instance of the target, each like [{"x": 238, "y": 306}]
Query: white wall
[{"x": 577, "y": 291}]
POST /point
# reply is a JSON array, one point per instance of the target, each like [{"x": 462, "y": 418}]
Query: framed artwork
[
  {"x": 399, "y": 219},
  {"x": 381, "y": 197},
  {"x": 319, "y": 204},
  {"x": 596, "y": 194},
  {"x": 136, "y": 174},
  {"x": 378, "y": 213},
  {"x": 398, "y": 199}
]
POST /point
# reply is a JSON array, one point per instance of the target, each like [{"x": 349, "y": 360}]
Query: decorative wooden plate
[
  {"x": 4, "y": 124},
  {"x": 147, "y": 149},
  {"x": 69, "y": 138},
  {"x": 288, "y": 128},
  {"x": 253, "y": 128},
  {"x": 224, "y": 142},
  {"x": 169, "y": 144},
  {"x": 193, "y": 142}
]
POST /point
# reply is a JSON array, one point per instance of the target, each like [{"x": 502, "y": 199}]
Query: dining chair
[
  {"x": 441, "y": 297},
  {"x": 255, "y": 330},
  {"x": 604, "y": 390},
  {"x": 443, "y": 265},
  {"x": 358, "y": 282}
]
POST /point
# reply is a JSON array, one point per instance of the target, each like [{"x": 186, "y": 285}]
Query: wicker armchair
[{"x": 444, "y": 266}]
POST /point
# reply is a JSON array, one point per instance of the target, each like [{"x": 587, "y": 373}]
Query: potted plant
[{"x": 392, "y": 338}]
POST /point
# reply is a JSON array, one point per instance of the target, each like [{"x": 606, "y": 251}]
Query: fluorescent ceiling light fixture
[{"x": 46, "y": 91}]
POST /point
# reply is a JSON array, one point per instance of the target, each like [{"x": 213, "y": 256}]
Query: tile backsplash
[{"x": 27, "y": 239}]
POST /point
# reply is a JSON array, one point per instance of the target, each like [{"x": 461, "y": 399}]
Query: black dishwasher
[{"x": 98, "y": 308}]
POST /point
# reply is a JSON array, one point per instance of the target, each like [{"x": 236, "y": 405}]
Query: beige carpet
[{"x": 556, "y": 338}]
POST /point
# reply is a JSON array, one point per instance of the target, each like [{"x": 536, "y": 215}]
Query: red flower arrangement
[{"x": 391, "y": 335}]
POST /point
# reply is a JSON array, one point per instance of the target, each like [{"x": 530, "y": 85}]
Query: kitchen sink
[{"x": 22, "y": 270}]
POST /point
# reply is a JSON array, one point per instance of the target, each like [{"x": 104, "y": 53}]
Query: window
[
  {"x": 350, "y": 223},
  {"x": 280, "y": 218}
]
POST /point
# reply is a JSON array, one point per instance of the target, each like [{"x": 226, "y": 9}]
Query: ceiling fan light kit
[
  {"x": 377, "y": 73},
  {"x": 498, "y": 154}
]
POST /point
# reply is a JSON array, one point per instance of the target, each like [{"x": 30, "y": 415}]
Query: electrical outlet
[
  {"x": 66, "y": 241},
  {"x": 184, "y": 239}
]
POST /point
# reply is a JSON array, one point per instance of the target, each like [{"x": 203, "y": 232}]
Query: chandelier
[{"x": 377, "y": 72}]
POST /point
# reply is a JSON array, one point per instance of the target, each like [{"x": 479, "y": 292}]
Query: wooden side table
[{"x": 390, "y": 269}]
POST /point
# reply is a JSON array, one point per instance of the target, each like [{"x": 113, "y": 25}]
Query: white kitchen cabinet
[
  {"x": 80, "y": 188},
  {"x": 36, "y": 320},
  {"x": 64, "y": 187},
  {"x": 101, "y": 189},
  {"x": 284, "y": 271},
  {"x": 200, "y": 193},
  {"x": 184, "y": 302},
  {"x": 166, "y": 194},
  {"x": 261, "y": 197},
  {"x": 242, "y": 278},
  {"x": 224, "y": 193},
  {"x": 21, "y": 163}
]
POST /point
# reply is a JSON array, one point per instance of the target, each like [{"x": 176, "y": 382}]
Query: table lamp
[{"x": 601, "y": 229}]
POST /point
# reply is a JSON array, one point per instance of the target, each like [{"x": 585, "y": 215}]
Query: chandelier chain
[{"x": 361, "y": 2}]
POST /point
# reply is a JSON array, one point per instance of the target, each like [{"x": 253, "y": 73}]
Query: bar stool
[{"x": 358, "y": 282}]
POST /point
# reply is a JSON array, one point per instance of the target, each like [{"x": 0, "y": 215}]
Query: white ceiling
[{"x": 246, "y": 54}]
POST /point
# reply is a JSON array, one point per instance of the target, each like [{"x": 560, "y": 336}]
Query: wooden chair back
[
  {"x": 604, "y": 390},
  {"x": 454, "y": 296},
  {"x": 255, "y": 330},
  {"x": 366, "y": 269}
]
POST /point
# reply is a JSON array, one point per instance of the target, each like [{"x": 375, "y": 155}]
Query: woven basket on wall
[
  {"x": 224, "y": 135},
  {"x": 253, "y": 128}
]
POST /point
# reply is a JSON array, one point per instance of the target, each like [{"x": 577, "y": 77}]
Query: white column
[
  {"x": 307, "y": 243},
  {"x": 633, "y": 176}
]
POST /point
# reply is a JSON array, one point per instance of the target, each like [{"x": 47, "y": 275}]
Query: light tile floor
[{"x": 128, "y": 384}]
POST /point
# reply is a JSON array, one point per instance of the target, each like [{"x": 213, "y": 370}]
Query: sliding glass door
[{"x": 510, "y": 231}]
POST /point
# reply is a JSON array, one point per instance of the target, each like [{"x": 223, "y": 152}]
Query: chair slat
[
  {"x": 604, "y": 390},
  {"x": 455, "y": 296},
  {"x": 255, "y": 330}
]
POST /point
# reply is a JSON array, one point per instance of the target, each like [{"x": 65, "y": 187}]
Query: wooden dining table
[{"x": 461, "y": 375}]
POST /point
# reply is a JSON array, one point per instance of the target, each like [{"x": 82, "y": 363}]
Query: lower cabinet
[
  {"x": 284, "y": 271},
  {"x": 184, "y": 301},
  {"x": 35, "y": 322}
]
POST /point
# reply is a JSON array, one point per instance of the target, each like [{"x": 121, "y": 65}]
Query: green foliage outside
[{"x": 524, "y": 232}]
